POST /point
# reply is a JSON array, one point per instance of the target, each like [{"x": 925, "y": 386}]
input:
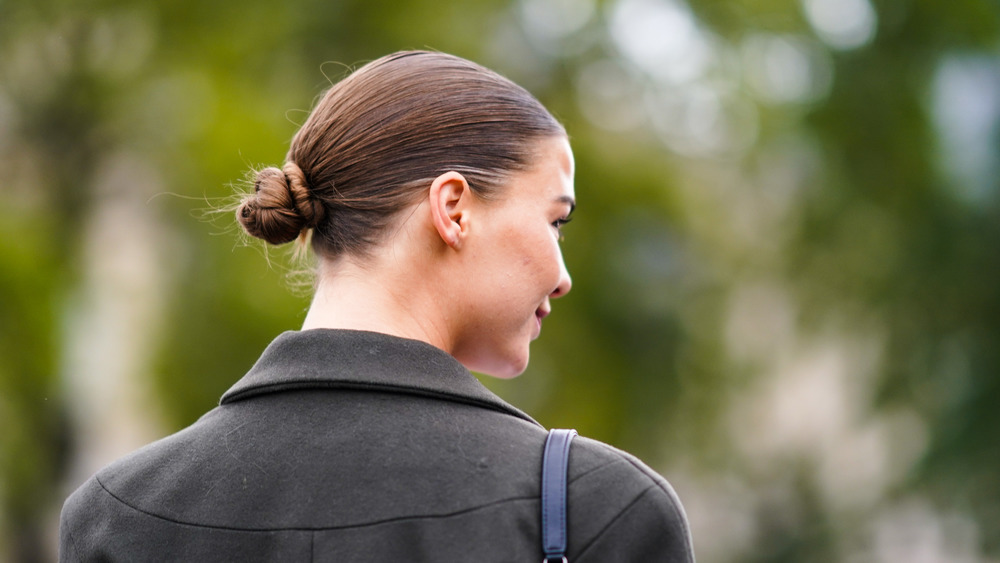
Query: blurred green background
[{"x": 786, "y": 256}]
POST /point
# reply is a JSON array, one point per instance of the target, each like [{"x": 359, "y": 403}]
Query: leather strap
[{"x": 555, "y": 462}]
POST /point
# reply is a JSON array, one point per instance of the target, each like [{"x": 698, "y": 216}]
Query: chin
[
  {"x": 500, "y": 367},
  {"x": 508, "y": 374}
]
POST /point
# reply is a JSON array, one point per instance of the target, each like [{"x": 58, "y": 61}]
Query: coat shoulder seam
[{"x": 317, "y": 528}]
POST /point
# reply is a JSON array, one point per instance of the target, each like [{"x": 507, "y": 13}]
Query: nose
[{"x": 565, "y": 283}]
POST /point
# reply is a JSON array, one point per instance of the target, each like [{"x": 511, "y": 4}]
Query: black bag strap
[{"x": 555, "y": 463}]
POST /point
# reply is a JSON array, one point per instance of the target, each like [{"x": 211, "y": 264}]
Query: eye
[{"x": 558, "y": 223}]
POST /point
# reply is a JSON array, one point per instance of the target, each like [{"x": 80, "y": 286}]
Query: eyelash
[{"x": 558, "y": 224}]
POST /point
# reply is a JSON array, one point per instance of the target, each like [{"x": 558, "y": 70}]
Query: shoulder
[
  {"x": 599, "y": 465},
  {"x": 145, "y": 482},
  {"x": 620, "y": 509},
  {"x": 84, "y": 518}
]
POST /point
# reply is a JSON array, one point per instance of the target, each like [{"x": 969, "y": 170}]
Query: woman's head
[
  {"x": 434, "y": 189},
  {"x": 376, "y": 141}
]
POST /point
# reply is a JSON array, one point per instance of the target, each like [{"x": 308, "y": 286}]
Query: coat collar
[{"x": 351, "y": 359}]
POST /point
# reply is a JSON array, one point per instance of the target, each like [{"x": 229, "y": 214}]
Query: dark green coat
[{"x": 358, "y": 446}]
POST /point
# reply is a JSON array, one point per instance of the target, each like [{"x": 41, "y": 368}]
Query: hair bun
[{"x": 280, "y": 207}]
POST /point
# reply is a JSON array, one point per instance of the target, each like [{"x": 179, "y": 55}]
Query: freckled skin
[{"x": 515, "y": 265}]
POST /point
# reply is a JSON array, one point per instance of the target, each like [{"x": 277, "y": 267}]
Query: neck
[{"x": 376, "y": 298}]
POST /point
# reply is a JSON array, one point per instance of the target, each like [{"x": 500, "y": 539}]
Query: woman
[{"x": 432, "y": 191}]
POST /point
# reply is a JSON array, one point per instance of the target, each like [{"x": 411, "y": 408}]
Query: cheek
[
  {"x": 527, "y": 259},
  {"x": 544, "y": 262}
]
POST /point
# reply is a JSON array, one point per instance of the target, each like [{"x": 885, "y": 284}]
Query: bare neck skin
[{"x": 396, "y": 290}]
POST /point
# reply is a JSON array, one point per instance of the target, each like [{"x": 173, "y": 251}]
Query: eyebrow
[{"x": 568, "y": 200}]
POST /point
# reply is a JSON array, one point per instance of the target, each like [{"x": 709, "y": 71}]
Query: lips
[{"x": 540, "y": 314}]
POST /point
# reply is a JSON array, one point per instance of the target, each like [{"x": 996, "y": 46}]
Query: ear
[{"x": 449, "y": 200}]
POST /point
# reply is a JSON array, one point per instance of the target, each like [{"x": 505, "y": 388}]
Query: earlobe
[{"x": 448, "y": 197}]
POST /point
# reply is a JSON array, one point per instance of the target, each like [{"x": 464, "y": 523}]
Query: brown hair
[{"x": 380, "y": 136}]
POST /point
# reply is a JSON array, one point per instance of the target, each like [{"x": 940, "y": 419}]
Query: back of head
[{"x": 379, "y": 137}]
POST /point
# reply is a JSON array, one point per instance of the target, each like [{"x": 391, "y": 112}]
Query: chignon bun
[{"x": 281, "y": 206}]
